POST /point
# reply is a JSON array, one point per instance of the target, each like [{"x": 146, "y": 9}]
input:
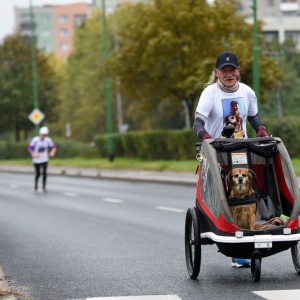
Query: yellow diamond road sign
[{"x": 36, "y": 116}]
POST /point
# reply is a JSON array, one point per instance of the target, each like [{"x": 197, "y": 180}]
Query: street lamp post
[
  {"x": 119, "y": 97},
  {"x": 255, "y": 65},
  {"x": 107, "y": 90},
  {"x": 33, "y": 64}
]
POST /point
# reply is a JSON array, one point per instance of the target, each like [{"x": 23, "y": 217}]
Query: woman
[{"x": 38, "y": 148}]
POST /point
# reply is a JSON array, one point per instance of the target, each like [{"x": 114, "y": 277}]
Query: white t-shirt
[
  {"x": 40, "y": 148},
  {"x": 215, "y": 106}
]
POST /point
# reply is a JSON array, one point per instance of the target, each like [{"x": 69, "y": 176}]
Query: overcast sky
[{"x": 7, "y": 16}]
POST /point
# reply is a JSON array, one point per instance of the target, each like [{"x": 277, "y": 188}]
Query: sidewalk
[
  {"x": 188, "y": 178},
  {"x": 134, "y": 175}
]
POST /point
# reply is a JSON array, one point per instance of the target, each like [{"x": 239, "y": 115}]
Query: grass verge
[
  {"x": 118, "y": 163},
  {"x": 126, "y": 163}
]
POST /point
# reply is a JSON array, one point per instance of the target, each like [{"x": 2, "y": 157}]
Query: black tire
[
  {"x": 255, "y": 269},
  {"x": 192, "y": 244},
  {"x": 295, "y": 250}
]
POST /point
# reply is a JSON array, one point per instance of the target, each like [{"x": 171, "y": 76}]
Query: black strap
[
  {"x": 229, "y": 158},
  {"x": 273, "y": 206},
  {"x": 253, "y": 182},
  {"x": 269, "y": 179}
]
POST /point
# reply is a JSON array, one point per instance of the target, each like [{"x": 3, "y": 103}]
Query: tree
[
  {"x": 287, "y": 97},
  {"x": 16, "y": 93},
  {"x": 82, "y": 82},
  {"x": 168, "y": 50}
]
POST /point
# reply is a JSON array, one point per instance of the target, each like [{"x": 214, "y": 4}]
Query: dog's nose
[{"x": 240, "y": 180}]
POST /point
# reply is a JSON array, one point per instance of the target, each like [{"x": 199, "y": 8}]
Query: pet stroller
[{"x": 277, "y": 199}]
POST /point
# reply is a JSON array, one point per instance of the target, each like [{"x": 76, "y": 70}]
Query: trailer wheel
[
  {"x": 192, "y": 244},
  {"x": 295, "y": 250},
  {"x": 255, "y": 269}
]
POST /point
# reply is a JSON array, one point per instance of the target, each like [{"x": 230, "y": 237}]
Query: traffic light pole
[
  {"x": 110, "y": 141},
  {"x": 33, "y": 64}
]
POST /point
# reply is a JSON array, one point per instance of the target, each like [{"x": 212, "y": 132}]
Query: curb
[
  {"x": 127, "y": 175},
  {"x": 6, "y": 293}
]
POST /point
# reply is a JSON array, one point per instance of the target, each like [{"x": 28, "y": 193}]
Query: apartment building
[
  {"x": 43, "y": 24},
  {"x": 67, "y": 18},
  {"x": 112, "y": 4},
  {"x": 281, "y": 18},
  {"x": 53, "y": 25}
]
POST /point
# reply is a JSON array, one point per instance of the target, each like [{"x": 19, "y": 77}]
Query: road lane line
[
  {"x": 112, "y": 200},
  {"x": 70, "y": 194},
  {"x": 157, "y": 297},
  {"x": 280, "y": 294},
  {"x": 14, "y": 186},
  {"x": 170, "y": 209}
]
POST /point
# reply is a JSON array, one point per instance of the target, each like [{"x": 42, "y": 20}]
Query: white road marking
[
  {"x": 14, "y": 186},
  {"x": 70, "y": 194},
  {"x": 280, "y": 294},
  {"x": 112, "y": 200},
  {"x": 170, "y": 209},
  {"x": 157, "y": 297}
]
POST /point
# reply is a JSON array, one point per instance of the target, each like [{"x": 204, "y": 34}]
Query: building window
[
  {"x": 294, "y": 35},
  {"x": 63, "y": 32},
  {"x": 240, "y": 9},
  {"x": 289, "y": 13},
  {"x": 64, "y": 46},
  {"x": 45, "y": 32},
  {"x": 270, "y": 15},
  {"x": 26, "y": 32},
  {"x": 47, "y": 47},
  {"x": 270, "y": 2},
  {"x": 78, "y": 19},
  {"x": 25, "y": 18},
  {"x": 250, "y": 2},
  {"x": 45, "y": 19},
  {"x": 63, "y": 18},
  {"x": 271, "y": 36}
]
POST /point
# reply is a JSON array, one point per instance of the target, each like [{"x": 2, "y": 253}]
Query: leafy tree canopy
[
  {"x": 284, "y": 101},
  {"x": 82, "y": 82},
  {"x": 168, "y": 50},
  {"x": 16, "y": 93}
]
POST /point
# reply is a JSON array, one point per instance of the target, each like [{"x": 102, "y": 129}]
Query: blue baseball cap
[{"x": 226, "y": 58}]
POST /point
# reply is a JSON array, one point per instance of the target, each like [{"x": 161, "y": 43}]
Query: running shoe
[{"x": 240, "y": 263}]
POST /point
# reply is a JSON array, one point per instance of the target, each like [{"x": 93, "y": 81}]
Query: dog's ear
[
  {"x": 252, "y": 174},
  {"x": 229, "y": 178}
]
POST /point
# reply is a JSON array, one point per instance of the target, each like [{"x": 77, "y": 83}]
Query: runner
[{"x": 38, "y": 148}]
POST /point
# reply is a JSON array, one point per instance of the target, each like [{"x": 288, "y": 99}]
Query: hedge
[{"x": 155, "y": 145}]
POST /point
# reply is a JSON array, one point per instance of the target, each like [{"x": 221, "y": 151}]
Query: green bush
[
  {"x": 155, "y": 145},
  {"x": 3, "y": 150},
  {"x": 287, "y": 129},
  {"x": 68, "y": 149},
  {"x": 151, "y": 145}
]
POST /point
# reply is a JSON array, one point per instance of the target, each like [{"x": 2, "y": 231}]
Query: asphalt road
[{"x": 100, "y": 238}]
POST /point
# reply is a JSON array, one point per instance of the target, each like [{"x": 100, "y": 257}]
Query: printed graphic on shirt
[{"x": 233, "y": 114}]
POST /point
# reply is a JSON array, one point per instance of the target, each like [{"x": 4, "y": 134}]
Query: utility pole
[
  {"x": 255, "y": 65},
  {"x": 33, "y": 64},
  {"x": 119, "y": 97},
  {"x": 110, "y": 141}
]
